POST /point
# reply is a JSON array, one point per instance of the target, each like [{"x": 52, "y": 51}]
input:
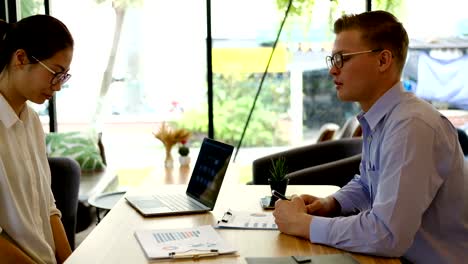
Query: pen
[
  {"x": 212, "y": 252},
  {"x": 279, "y": 195}
]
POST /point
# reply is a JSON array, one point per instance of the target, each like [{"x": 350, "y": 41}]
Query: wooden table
[{"x": 112, "y": 241}]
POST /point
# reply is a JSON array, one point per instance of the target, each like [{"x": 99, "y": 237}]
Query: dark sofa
[{"x": 333, "y": 162}]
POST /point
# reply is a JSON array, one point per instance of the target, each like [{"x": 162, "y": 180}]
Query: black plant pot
[{"x": 279, "y": 186}]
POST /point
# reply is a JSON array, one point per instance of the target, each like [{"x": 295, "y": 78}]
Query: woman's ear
[
  {"x": 385, "y": 60},
  {"x": 20, "y": 58}
]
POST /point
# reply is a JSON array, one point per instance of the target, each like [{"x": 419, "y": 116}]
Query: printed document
[
  {"x": 196, "y": 242},
  {"x": 248, "y": 220}
]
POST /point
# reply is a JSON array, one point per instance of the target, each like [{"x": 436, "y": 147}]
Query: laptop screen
[{"x": 209, "y": 171}]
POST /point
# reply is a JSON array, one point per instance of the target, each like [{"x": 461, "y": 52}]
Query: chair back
[
  {"x": 351, "y": 128},
  {"x": 337, "y": 173},
  {"x": 327, "y": 132},
  {"x": 65, "y": 175},
  {"x": 463, "y": 139},
  {"x": 307, "y": 156}
]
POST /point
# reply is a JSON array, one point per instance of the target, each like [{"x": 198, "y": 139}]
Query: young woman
[{"x": 35, "y": 56}]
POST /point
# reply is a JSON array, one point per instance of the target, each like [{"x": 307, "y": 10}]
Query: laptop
[{"x": 202, "y": 190}]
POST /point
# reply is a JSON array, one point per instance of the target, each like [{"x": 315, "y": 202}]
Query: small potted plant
[
  {"x": 278, "y": 180},
  {"x": 170, "y": 136},
  {"x": 184, "y": 151}
]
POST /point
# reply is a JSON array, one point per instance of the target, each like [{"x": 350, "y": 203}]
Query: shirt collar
[
  {"x": 7, "y": 114},
  {"x": 383, "y": 105}
]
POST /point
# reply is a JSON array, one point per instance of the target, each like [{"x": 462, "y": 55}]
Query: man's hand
[
  {"x": 292, "y": 218},
  {"x": 321, "y": 206}
]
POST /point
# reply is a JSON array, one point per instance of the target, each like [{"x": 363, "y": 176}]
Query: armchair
[
  {"x": 333, "y": 162},
  {"x": 463, "y": 139},
  {"x": 65, "y": 174},
  {"x": 87, "y": 149},
  {"x": 331, "y": 131},
  {"x": 338, "y": 172}
]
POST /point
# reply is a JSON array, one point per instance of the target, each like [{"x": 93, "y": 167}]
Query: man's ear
[
  {"x": 385, "y": 60},
  {"x": 20, "y": 58}
]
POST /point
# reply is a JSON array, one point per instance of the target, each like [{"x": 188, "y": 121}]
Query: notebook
[
  {"x": 202, "y": 190},
  {"x": 345, "y": 258}
]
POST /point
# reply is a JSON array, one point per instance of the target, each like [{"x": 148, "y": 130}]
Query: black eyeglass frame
[
  {"x": 59, "y": 77},
  {"x": 337, "y": 59}
]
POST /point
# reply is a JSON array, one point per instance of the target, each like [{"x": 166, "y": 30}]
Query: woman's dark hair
[{"x": 40, "y": 36}]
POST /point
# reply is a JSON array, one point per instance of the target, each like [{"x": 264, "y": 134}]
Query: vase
[
  {"x": 169, "y": 161},
  {"x": 184, "y": 160},
  {"x": 279, "y": 186}
]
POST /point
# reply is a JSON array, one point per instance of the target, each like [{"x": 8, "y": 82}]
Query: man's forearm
[
  {"x": 353, "y": 197},
  {"x": 10, "y": 253},
  {"x": 62, "y": 247}
]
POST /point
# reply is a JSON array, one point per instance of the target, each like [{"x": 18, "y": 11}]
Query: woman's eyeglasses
[{"x": 59, "y": 77}]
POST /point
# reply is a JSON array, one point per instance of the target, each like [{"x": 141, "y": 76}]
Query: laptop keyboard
[{"x": 178, "y": 202}]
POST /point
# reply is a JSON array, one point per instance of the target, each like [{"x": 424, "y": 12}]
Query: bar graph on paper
[
  {"x": 163, "y": 237},
  {"x": 164, "y": 243},
  {"x": 248, "y": 220}
]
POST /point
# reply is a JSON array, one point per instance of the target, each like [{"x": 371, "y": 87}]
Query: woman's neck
[{"x": 6, "y": 91}]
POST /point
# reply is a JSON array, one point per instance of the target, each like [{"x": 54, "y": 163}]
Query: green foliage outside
[
  {"x": 298, "y": 7},
  {"x": 302, "y": 7},
  {"x": 31, "y": 7},
  {"x": 393, "y": 6},
  {"x": 81, "y": 146},
  {"x": 321, "y": 104},
  {"x": 233, "y": 97},
  {"x": 302, "y": 12}
]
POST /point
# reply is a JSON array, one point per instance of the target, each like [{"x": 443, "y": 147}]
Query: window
[
  {"x": 156, "y": 73},
  {"x": 437, "y": 58}
]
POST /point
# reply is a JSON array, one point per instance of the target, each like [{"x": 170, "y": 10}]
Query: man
[{"x": 411, "y": 197}]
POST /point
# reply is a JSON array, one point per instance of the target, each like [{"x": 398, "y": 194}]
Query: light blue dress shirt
[{"x": 411, "y": 198}]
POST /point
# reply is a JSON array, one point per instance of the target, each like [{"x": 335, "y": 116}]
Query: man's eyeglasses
[
  {"x": 337, "y": 59},
  {"x": 59, "y": 77}
]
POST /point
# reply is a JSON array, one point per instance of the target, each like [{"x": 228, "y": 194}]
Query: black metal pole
[
  {"x": 47, "y": 7},
  {"x": 52, "y": 115},
  {"x": 368, "y": 5},
  {"x": 10, "y": 11},
  {"x": 263, "y": 78},
  {"x": 52, "y": 102},
  {"x": 3, "y": 11},
  {"x": 209, "y": 70}
]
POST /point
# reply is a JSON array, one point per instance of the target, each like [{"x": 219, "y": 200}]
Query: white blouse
[{"x": 26, "y": 199}]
